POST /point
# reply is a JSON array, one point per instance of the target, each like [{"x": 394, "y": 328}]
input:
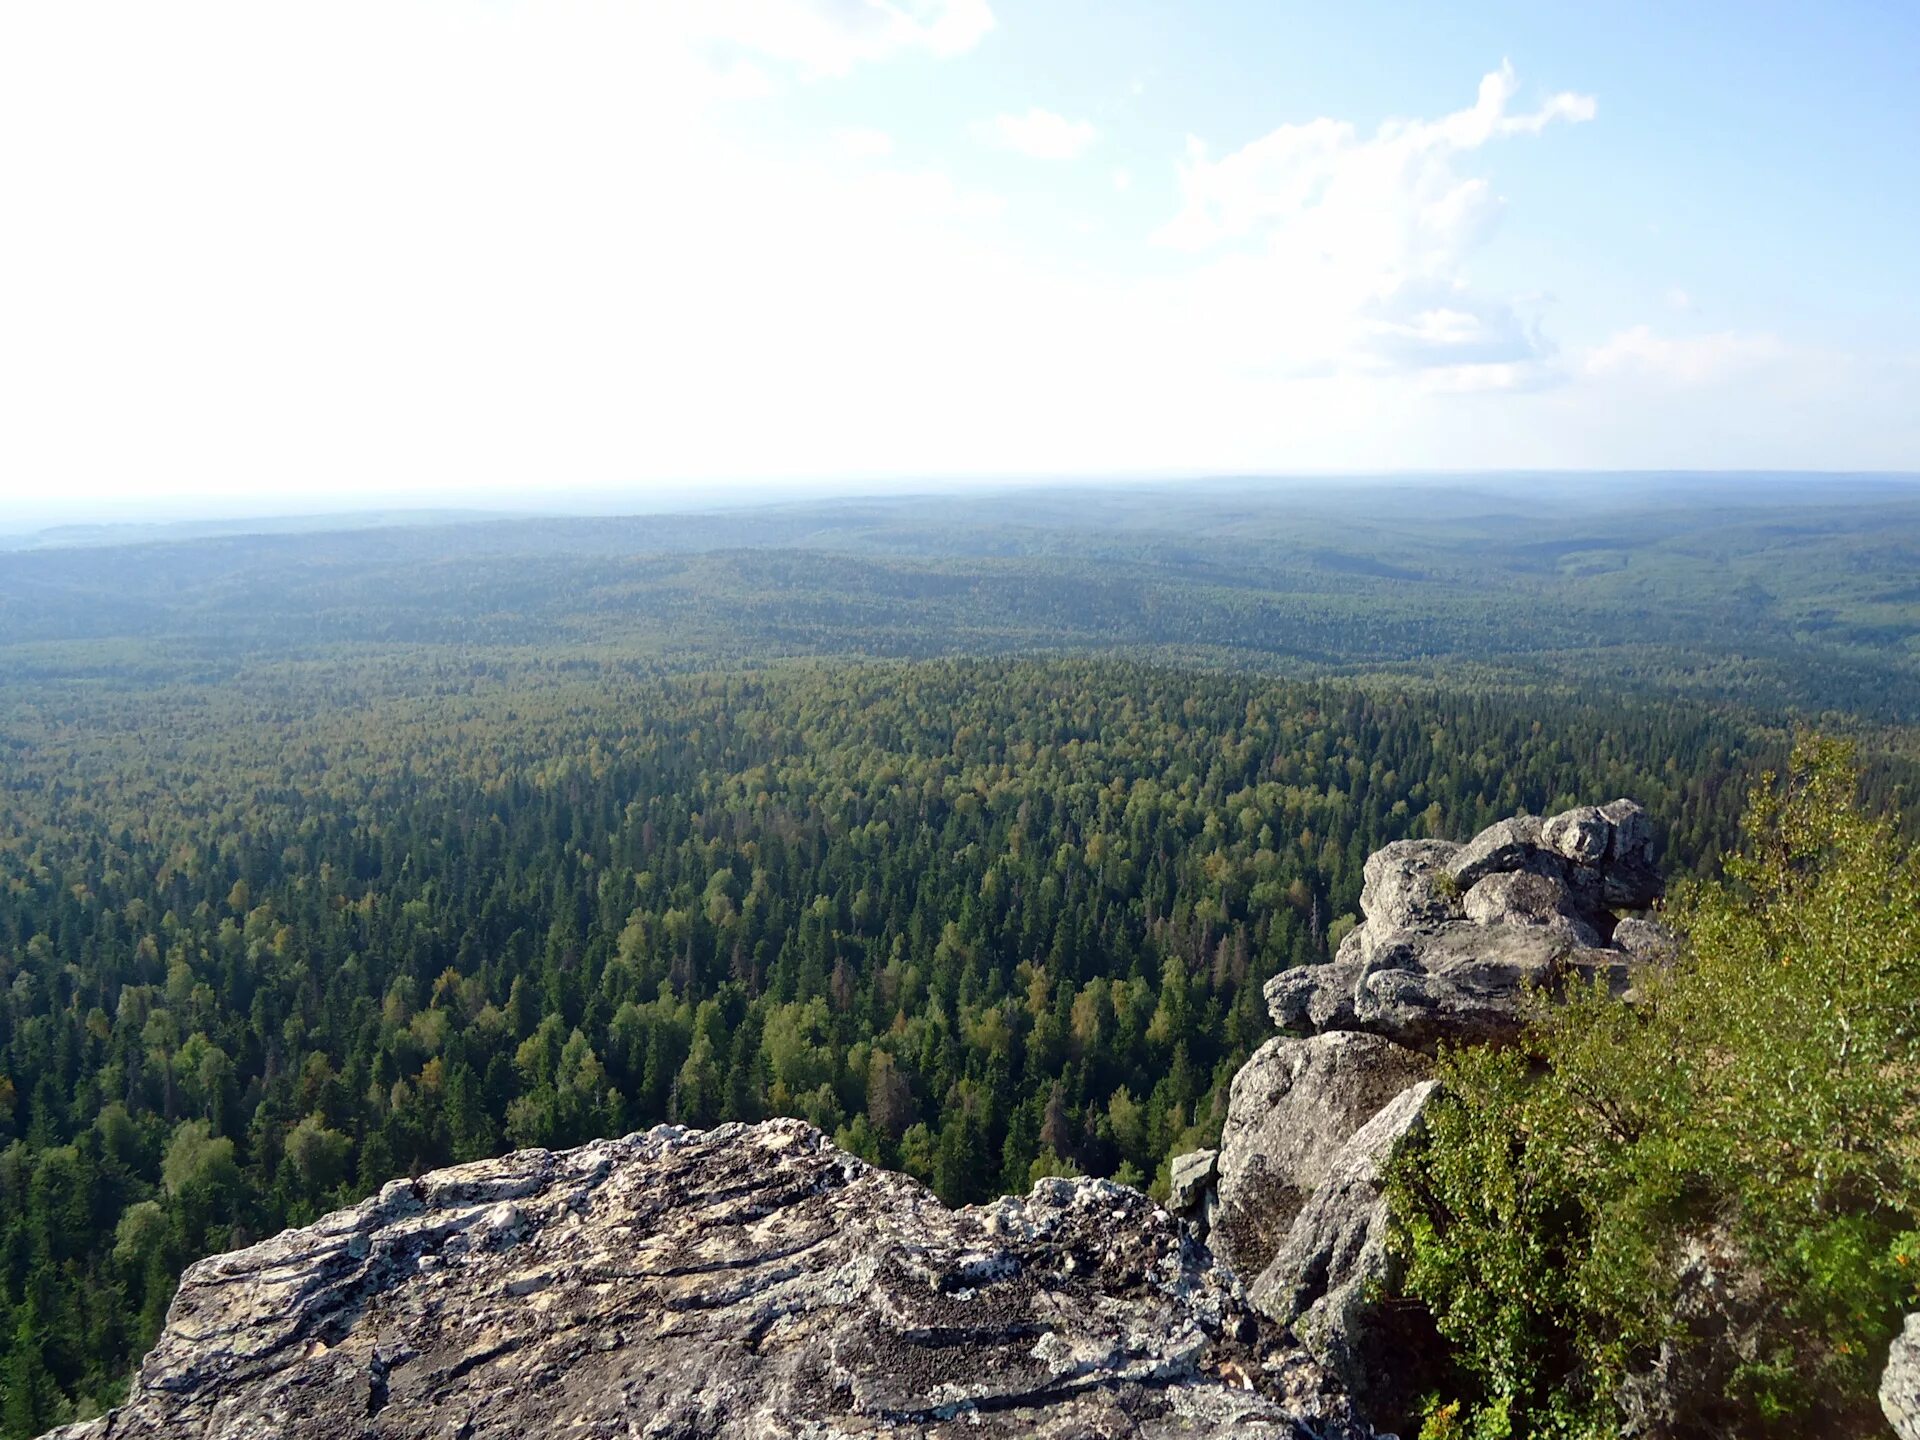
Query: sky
[{"x": 294, "y": 252}]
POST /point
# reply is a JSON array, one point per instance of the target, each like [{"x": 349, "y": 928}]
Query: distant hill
[
  {"x": 1791, "y": 594},
  {"x": 56, "y": 537}
]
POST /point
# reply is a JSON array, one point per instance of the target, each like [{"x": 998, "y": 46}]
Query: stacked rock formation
[
  {"x": 1456, "y": 937},
  {"x": 1457, "y": 943},
  {"x": 748, "y": 1281}
]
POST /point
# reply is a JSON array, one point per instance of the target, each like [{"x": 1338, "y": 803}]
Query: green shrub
[{"x": 1760, "y": 1097}]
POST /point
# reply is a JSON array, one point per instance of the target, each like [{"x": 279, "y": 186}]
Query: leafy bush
[{"x": 1749, "y": 1117}]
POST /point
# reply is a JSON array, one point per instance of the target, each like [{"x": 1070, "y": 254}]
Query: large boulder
[
  {"x": 1645, "y": 940},
  {"x": 1505, "y": 847},
  {"x": 1406, "y": 883},
  {"x": 744, "y": 1283},
  {"x": 1292, "y": 1109},
  {"x": 1525, "y": 898},
  {"x": 1457, "y": 941},
  {"x": 1605, "y": 850},
  {"x": 1190, "y": 1188},
  {"x": 1581, "y": 835},
  {"x": 1631, "y": 880},
  {"x": 1333, "y": 1278},
  {"x": 1900, "y": 1382}
]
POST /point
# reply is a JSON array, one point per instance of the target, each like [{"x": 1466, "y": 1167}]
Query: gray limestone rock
[
  {"x": 1721, "y": 1311},
  {"x": 748, "y": 1281},
  {"x": 1404, "y": 884},
  {"x": 1459, "y": 984},
  {"x": 1457, "y": 945},
  {"x": 1190, "y": 1187},
  {"x": 1456, "y": 942},
  {"x": 1192, "y": 1174},
  {"x": 1331, "y": 1273},
  {"x": 1646, "y": 940},
  {"x": 1292, "y": 1109},
  {"x": 1630, "y": 880},
  {"x": 1900, "y": 1382},
  {"x": 1525, "y": 898},
  {"x": 1506, "y": 845},
  {"x": 1581, "y": 835}
]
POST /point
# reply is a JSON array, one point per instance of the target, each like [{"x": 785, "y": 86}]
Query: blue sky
[{"x": 399, "y": 249}]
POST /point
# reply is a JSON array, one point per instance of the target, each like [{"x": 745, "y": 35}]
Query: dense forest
[
  {"x": 980, "y": 920},
  {"x": 966, "y": 830}
]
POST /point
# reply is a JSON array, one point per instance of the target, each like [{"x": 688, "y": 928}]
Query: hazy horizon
[{"x": 160, "y": 517}]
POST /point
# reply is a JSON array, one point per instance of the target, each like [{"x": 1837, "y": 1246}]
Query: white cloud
[
  {"x": 1352, "y": 249},
  {"x": 1474, "y": 379},
  {"x": 1682, "y": 360},
  {"x": 1679, "y": 299},
  {"x": 1322, "y": 178},
  {"x": 414, "y": 244},
  {"x": 1038, "y": 134},
  {"x": 1122, "y": 178}
]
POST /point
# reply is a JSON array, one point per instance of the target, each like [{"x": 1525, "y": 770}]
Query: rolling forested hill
[{"x": 1782, "y": 594}]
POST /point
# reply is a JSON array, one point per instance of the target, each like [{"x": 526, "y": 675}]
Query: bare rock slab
[{"x": 748, "y": 1281}]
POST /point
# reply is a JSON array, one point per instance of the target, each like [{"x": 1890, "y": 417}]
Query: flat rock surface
[{"x": 748, "y": 1281}]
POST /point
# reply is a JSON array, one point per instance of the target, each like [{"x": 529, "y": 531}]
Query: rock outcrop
[
  {"x": 1456, "y": 945},
  {"x": 1332, "y": 1277},
  {"x": 1292, "y": 1111},
  {"x": 1457, "y": 939},
  {"x": 738, "y": 1282},
  {"x": 1721, "y": 1311},
  {"x": 1900, "y": 1382},
  {"x": 1191, "y": 1184}
]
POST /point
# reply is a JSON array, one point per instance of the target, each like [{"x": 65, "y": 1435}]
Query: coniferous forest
[{"x": 281, "y": 923}]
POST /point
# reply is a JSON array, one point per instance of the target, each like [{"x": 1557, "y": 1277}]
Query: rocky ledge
[{"x": 747, "y": 1281}]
